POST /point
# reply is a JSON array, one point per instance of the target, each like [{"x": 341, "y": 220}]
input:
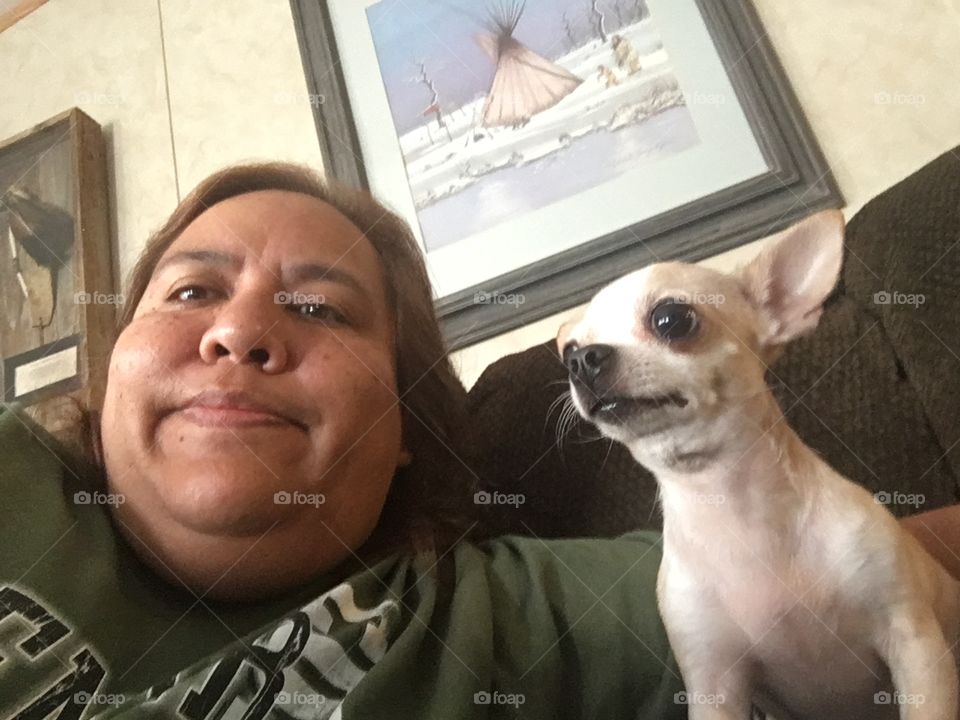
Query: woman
[{"x": 276, "y": 520}]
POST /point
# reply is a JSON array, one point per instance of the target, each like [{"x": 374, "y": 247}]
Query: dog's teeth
[{"x": 656, "y": 402}]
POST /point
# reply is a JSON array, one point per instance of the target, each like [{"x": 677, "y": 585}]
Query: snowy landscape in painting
[{"x": 504, "y": 106}]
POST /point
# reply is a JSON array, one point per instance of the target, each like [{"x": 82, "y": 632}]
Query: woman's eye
[
  {"x": 319, "y": 311},
  {"x": 189, "y": 292}
]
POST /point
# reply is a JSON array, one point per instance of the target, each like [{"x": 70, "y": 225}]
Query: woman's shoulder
[
  {"x": 602, "y": 550},
  {"x": 515, "y": 567},
  {"x": 548, "y": 609},
  {"x": 630, "y": 539},
  {"x": 22, "y": 432}
]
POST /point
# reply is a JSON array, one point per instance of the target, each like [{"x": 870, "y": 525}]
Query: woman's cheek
[
  {"x": 365, "y": 363},
  {"x": 361, "y": 388},
  {"x": 154, "y": 347}
]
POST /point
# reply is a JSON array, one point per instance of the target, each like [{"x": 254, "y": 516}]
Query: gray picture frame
[{"x": 798, "y": 182}]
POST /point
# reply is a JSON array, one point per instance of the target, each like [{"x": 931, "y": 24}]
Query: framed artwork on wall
[
  {"x": 56, "y": 280},
  {"x": 13, "y": 11},
  {"x": 541, "y": 148}
]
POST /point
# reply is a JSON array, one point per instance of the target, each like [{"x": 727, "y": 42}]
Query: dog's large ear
[{"x": 789, "y": 280}]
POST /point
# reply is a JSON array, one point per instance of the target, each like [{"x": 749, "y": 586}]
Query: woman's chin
[
  {"x": 212, "y": 501},
  {"x": 221, "y": 554},
  {"x": 233, "y": 515}
]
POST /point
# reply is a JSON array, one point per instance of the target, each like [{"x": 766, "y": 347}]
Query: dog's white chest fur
[{"x": 776, "y": 609}]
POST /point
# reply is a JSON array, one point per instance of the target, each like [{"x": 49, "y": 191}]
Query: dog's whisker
[
  {"x": 656, "y": 503},
  {"x": 584, "y": 441},
  {"x": 605, "y": 457},
  {"x": 568, "y": 419},
  {"x": 558, "y": 428},
  {"x": 558, "y": 400},
  {"x": 561, "y": 401}
]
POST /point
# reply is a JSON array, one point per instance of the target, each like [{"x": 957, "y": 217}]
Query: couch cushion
[{"x": 907, "y": 241}]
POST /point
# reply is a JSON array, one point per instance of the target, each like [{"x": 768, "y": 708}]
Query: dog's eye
[{"x": 673, "y": 320}]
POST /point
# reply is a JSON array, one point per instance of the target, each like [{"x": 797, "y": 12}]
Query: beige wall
[{"x": 183, "y": 87}]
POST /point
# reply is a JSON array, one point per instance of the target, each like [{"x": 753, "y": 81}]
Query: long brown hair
[{"x": 431, "y": 499}]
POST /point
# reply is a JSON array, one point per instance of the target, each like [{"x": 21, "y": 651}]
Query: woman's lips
[
  {"x": 236, "y": 409},
  {"x": 232, "y": 418}
]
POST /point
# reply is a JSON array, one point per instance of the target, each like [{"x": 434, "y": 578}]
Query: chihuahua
[{"x": 783, "y": 585}]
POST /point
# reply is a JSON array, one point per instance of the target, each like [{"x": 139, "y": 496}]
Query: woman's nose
[{"x": 244, "y": 331}]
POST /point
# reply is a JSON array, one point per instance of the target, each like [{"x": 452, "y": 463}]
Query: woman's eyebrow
[
  {"x": 210, "y": 257},
  {"x": 297, "y": 273},
  {"x": 317, "y": 271}
]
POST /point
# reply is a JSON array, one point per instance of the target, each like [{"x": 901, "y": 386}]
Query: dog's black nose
[{"x": 586, "y": 363}]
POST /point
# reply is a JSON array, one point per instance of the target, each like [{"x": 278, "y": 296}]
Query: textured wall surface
[{"x": 181, "y": 88}]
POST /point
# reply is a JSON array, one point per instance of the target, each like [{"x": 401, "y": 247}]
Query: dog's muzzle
[
  {"x": 593, "y": 370},
  {"x": 587, "y": 364}
]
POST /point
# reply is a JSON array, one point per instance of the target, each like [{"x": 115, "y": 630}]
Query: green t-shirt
[{"x": 510, "y": 627}]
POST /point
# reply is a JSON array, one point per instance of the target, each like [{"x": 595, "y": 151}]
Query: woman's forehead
[{"x": 279, "y": 225}]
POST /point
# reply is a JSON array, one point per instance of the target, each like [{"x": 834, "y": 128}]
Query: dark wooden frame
[
  {"x": 799, "y": 180},
  {"x": 92, "y": 260}
]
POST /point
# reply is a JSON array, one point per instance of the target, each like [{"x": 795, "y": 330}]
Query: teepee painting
[
  {"x": 502, "y": 107},
  {"x": 525, "y": 82}
]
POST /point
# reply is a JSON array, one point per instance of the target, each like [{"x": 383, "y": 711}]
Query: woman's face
[{"x": 276, "y": 297}]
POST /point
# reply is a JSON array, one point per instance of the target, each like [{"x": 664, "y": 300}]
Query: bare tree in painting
[
  {"x": 618, "y": 11},
  {"x": 629, "y": 12},
  {"x": 568, "y": 29},
  {"x": 640, "y": 10},
  {"x": 433, "y": 106},
  {"x": 599, "y": 18}
]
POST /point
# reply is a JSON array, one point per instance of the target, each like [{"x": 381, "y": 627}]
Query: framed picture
[
  {"x": 12, "y": 11},
  {"x": 541, "y": 148},
  {"x": 56, "y": 279}
]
